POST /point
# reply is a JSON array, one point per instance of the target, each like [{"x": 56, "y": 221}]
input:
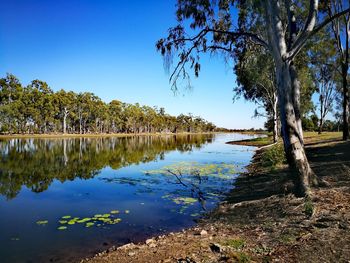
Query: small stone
[
  {"x": 127, "y": 246},
  {"x": 131, "y": 254},
  {"x": 203, "y": 233},
  {"x": 152, "y": 245},
  {"x": 149, "y": 241}
]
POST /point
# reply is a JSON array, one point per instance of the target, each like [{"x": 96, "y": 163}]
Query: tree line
[
  {"x": 283, "y": 52},
  {"x": 37, "y": 109}
]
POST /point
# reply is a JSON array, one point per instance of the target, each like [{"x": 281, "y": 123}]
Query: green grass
[
  {"x": 273, "y": 156},
  {"x": 308, "y": 208},
  {"x": 314, "y": 137},
  {"x": 235, "y": 243},
  {"x": 243, "y": 258},
  {"x": 261, "y": 141},
  {"x": 257, "y": 142}
]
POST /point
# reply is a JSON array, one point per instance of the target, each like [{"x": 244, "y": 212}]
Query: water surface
[{"x": 127, "y": 189}]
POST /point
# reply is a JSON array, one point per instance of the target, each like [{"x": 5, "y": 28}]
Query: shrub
[{"x": 273, "y": 156}]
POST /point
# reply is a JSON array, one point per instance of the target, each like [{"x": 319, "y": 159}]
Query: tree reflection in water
[{"x": 36, "y": 163}]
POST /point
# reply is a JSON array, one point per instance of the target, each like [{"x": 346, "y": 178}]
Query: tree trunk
[
  {"x": 296, "y": 100},
  {"x": 320, "y": 128},
  {"x": 345, "y": 68},
  {"x": 80, "y": 126},
  {"x": 275, "y": 119},
  {"x": 291, "y": 133},
  {"x": 64, "y": 121},
  {"x": 288, "y": 88},
  {"x": 321, "y": 115}
]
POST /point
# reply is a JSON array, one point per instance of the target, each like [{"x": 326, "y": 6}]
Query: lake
[{"x": 66, "y": 199}]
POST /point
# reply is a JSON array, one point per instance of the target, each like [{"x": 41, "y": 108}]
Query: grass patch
[
  {"x": 273, "y": 156},
  {"x": 287, "y": 238},
  {"x": 235, "y": 243},
  {"x": 314, "y": 137},
  {"x": 308, "y": 208},
  {"x": 257, "y": 142},
  {"x": 243, "y": 257}
]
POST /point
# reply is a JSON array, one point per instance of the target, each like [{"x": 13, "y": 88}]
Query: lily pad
[
  {"x": 115, "y": 212},
  {"x": 62, "y": 228},
  {"x": 42, "y": 222},
  {"x": 106, "y": 215},
  {"x": 127, "y": 211},
  {"x": 195, "y": 214},
  {"x": 185, "y": 200},
  {"x": 66, "y": 217}
]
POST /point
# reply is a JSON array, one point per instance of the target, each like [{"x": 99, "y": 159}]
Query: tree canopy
[{"x": 36, "y": 108}]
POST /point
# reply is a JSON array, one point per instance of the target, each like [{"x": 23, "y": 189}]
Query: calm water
[{"x": 151, "y": 184}]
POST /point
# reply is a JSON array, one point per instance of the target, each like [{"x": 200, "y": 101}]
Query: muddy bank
[{"x": 262, "y": 221}]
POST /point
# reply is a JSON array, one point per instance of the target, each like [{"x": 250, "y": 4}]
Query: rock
[
  {"x": 343, "y": 225},
  {"x": 127, "y": 246},
  {"x": 149, "y": 241},
  {"x": 152, "y": 245},
  {"x": 186, "y": 260},
  {"x": 216, "y": 248},
  {"x": 203, "y": 233},
  {"x": 131, "y": 254}
]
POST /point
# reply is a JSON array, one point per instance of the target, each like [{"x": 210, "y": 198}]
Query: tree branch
[{"x": 306, "y": 34}]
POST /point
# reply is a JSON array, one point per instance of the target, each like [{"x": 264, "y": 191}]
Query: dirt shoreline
[{"x": 262, "y": 221}]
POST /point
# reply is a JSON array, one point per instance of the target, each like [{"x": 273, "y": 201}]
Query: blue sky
[{"x": 108, "y": 48}]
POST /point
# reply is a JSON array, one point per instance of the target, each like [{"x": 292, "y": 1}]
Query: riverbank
[{"x": 262, "y": 221}]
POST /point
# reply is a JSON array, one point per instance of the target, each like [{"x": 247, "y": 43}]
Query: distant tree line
[{"x": 37, "y": 109}]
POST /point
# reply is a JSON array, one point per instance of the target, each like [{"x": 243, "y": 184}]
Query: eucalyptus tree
[
  {"x": 327, "y": 92},
  {"x": 10, "y": 94},
  {"x": 43, "y": 101},
  {"x": 115, "y": 108},
  {"x": 340, "y": 27},
  {"x": 324, "y": 68},
  {"x": 35, "y": 108},
  {"x": 65, "y": 102},
  {"x": 282, "y": 27},
  {"x": 256, "y": 81}
]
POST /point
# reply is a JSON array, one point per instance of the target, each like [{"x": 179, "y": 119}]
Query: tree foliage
[{"x": 37, "y": 109}]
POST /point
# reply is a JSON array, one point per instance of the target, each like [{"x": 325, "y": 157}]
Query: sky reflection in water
[{"x": 157, "y": 184}]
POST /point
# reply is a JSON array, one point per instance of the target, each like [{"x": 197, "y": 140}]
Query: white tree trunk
[
  {"x": 275, "y": 119},
  {"x": 288, "y": 90}
]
